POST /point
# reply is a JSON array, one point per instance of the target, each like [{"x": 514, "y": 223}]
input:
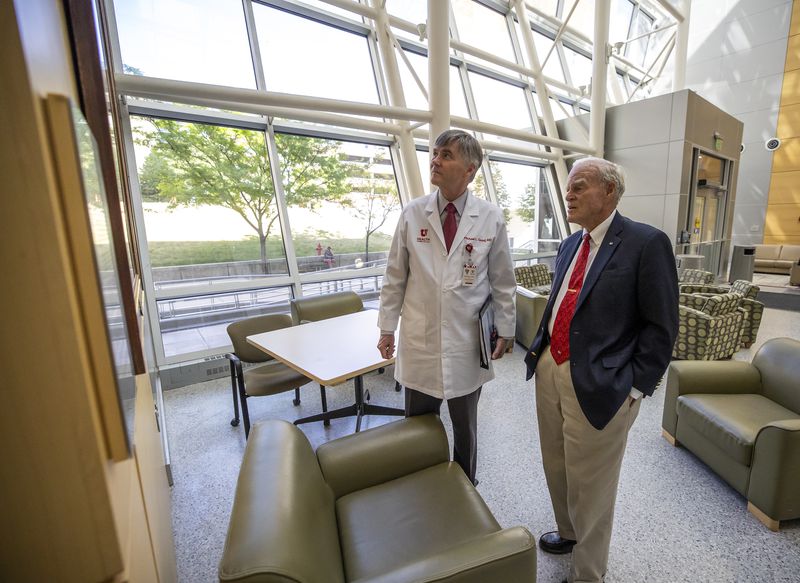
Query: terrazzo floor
[{"x": 676, "y": 521}]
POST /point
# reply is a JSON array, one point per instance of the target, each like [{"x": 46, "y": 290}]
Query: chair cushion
[
  {"x": 541, "y": 289},
  {"x": 719, "y": 305},
  {"x": 271, "y": 379},
  {"x": 768, "y": 251},
  {"x": 420, "y": 515},
  {"x": 790, "y": 253},
  {"x": 745, "y": 288},
  {"x": 731, "y": 422}
]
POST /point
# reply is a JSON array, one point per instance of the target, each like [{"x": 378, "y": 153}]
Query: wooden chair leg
[
  {"x": 672, "y": 441},
  {"x": 770, "y": 523},
  {"x": 324, "y": 398},
  {"x": 296, "y": 400}
]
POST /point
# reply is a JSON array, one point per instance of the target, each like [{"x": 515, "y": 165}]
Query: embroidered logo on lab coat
[{"x": 423, "y": 236}]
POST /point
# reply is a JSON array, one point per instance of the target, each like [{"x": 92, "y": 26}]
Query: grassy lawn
[{"x": 167, "y": 253}]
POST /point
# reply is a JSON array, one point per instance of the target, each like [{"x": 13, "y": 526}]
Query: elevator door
[{"x": 710, "y": 197}]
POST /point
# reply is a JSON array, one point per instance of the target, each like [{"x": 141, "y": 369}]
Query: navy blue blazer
[{"x": 625, "y": 321}]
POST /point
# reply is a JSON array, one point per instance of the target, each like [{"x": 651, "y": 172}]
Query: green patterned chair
[
  {"x": 710, "y": 327},
  {"x": 692, "y": 277},
  {"x": 533, "y": 287},
  {"x": 536, "y": 278},
  {"x": 752, "y": 309}
]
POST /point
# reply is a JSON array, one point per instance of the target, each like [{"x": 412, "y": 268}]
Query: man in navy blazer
[{"x": 604, "y": 342}]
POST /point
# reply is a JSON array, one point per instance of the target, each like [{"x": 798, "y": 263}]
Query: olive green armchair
[
  {"x": 381, "y": 506},
  {"x": 533, "y": 289},
  {"x": 743, "y": 421}
]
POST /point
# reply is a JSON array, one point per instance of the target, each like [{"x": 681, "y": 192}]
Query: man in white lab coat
[{"x": 449, "y": 252}]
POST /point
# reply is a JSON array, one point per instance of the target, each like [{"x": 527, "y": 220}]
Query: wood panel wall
[{"x": 783, "y": 207}]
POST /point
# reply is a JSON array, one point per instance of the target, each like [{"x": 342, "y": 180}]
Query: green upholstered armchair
[
  {"x": 384, "y": 505},
  {"x": 533, "y": 287},
  {"x": 269, "y": 377},
  {"x": 695, "y": 276},
  {"x": 752, "y": 309},
  {"x": 709, "y": 327},
  {"x": 322, "y": 307},
  {"x": 743, "y": 420}
]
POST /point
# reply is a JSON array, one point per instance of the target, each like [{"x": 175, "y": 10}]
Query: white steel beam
[
  {"x": 681, "y": 48},
  {"x": 664, "y": 52},
  {"x": 600, "y": 57},
  {"x": 678, "y": 14},
  {"x": 438, "y": 67},
  {"x": 560, "y": 32},
  {"x": 528, "y": 136},
  {"x": 153, "y": 87},
  {"x": 542, "y": 94},
  {"x": 408, "y": 153}
]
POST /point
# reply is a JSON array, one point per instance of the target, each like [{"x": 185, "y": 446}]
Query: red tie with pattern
[
  {"x": 559, "y": 339},
  {"x": 449, "y": 227}
]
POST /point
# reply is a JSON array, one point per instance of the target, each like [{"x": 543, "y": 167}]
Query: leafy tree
[
  {"x": 193, "y": 164},
  {"x": 527, "y": 204},
  {"x": 373, "y": 197},
  {"x": 503, "y": 199}
]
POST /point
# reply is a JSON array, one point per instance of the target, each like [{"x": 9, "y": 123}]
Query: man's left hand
[{"x": 499, "y": 349}]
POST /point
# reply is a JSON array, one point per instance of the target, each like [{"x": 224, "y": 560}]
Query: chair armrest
[
  {"x": 775, "y": 471},
  {"x": 235, "y": 366},
  {"x": 508, "y": 555},
  {"x": 708, "y": 377},
  {"x": 380, "y": 454},
  {"x": 525, "y": 292},
  {"x": 530, "y": 308}
]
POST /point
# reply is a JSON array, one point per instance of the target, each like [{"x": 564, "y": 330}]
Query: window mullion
[{"x": 283, "y": 214}]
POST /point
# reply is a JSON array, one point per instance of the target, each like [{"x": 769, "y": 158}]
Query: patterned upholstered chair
[
  {"x": 752, "y": 309},
  {"x": 710, "y": 327},
  {"x": 536, "y": 278},
  {"x": 533, "y": 287},
  {"x": 689, "y": 277}
]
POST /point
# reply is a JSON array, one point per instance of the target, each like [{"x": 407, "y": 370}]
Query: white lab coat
[{"x": 438, "y": 348}]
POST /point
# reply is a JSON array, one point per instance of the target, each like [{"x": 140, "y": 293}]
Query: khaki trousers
[{"x": 581, "y": 465}]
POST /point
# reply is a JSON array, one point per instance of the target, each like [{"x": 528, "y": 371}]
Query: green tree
[
  {"x": 503, "y": 199},
  {"x": 373, "y": 196},
  {"x": 527, "y": 204},
  {"x": 193, "y": 164}
]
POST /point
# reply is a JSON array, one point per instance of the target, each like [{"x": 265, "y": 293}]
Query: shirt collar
[
  {"x": 459, "y": 203},
  {"x": 599, "y": 232}
]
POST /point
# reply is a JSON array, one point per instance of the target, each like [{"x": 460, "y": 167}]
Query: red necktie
[
  {"x": 559, "y": 339},
  {"x": 450, "y": 227}
]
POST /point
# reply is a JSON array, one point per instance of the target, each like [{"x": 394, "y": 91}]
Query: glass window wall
[{"x": 241, "y": 210}]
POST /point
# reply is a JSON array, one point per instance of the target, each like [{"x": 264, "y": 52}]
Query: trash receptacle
[{"x": 742, "y": 263}]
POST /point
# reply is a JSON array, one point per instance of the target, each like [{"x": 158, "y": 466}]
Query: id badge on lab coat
[{"x": 470, "y": 271}]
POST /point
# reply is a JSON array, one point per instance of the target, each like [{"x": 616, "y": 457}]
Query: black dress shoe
[{"x": 551, "y": 542}]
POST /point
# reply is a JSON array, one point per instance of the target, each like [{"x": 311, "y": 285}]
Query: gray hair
[
  {"x": 608, "y": 172},
  {"x": 469, "y": 147}
]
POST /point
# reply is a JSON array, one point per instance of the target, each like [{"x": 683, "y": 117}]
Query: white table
[{"x": 332, "y": 352}]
